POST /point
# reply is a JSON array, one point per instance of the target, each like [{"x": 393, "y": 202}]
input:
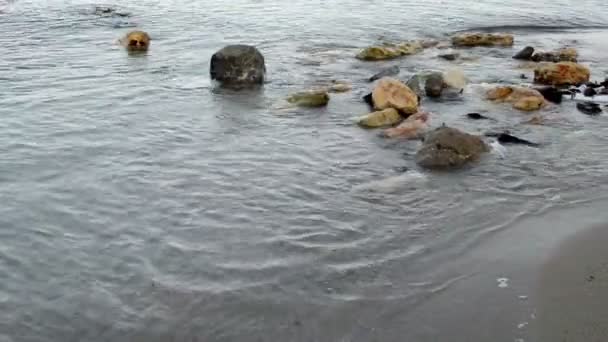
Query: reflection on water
[{"x": 142, "y": 203}]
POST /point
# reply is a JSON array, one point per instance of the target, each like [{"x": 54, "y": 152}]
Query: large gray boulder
[
  {"x": 238, "y": 64},
  {"x": 446, "y": 148}
]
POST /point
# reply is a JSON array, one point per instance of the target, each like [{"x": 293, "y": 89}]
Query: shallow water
[{"x": 140, "y": 203}]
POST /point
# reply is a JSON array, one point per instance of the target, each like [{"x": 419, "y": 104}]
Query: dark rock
[
  {"x": 523, "y": 76},
  {"x": 506, "y": 138},
  {"x": 525, "y": 54},
  {"x": 392, "y": 71},
  {"x": 476, "y": 116},
  {"x": 449, "y": 56},
  {"x": 415, "y": 84},
  {"x": 551, "y": 94},
  {"x": 238, "y": 64},
  {"x": 592, "y": 85},
  {"x": 369, "y": 100},
  {"x": 446, "y": 148},
  {"x": 590, "y": 92},
  {"x": 603, "y": 91},
  {"x": 605, "y": 83},
  {"x": 434, "y": 85},
  {"x": 589, "y": 108}
]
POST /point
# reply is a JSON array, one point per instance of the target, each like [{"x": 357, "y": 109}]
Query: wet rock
[
  {"x": 592, "y": 85},
  {"x": 387, "y": 117},
  {"x": 603, "y": 91},
  {"x": 429, "y": 43},
  {"x": 109, "y": 11},
  {"x": 312, "y": 98},
  {"x": 535, "y": 120},
  {"x": 449, "y": 56},
  {"x": 392, "y": 93},
  {"x": 521, "y": 98},
  {"x": 391, "y": 71},
  {"x": 136, "y": 41},
  {"x": 525, "y": 54},
  {"x": 369, "y": 100},
  {"x": 446, "y": 148},
  {"x": 476, "y": 116},
  {"x": 605, "y": 83},
  {"x": 411, "y": 128},
  {"x": 389, "y": 51},
  {"x": 434, "y": 85},
  {"x": 563, "y": 73},
  {"x": 238, "y": 64},
  {"x": 561, "y": 55},
  {"x": 455, "y": 79},
  {"x": 523, "y": 76},
  {"x": 551, "y": 94},
  {"x": 589, "y": 108},
  {"x": 339, "y": 87},
  {"x": 482, "y": 39},
  {"x": 415, "y": 84},
  {"x": 529, "y": 103},
  {"x": 506, "y": 138},
  {"x": 590, "y": 92}
]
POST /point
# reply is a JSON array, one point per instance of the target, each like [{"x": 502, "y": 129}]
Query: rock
[
  {"x": 523, "y": 76},
  {"x": 415, "y": 84},
  {"x": 563, "y": 73},
  {"x": 589, "y": 108},
  {"x": 476, "y": 116},
  {"x": 391, "y": 93},
  {"x": 525, "y": 99},
  {"x": 482, "y": 39},
  {"x": 429, "y": 43},
  {"x": 339, "y": 87},
  {"x": 529, "y": 103},
  {"x": 411, "y": 128},
  {"x": 525, "y": 54},
  {"x": 561, "y": 55},
  {"x": 109, "y": 11},
  {"x": 368, "y": 99},
  {"x": 590, "y": 92},
  {"x": 535, "y": 120},
  {"x": 449, "y": 56},
  {"x": 455, "y": 79},
  {"x": 136, "y": 41},
  {"x": 313, "y": 98},
  {"x": 434, "y": 85},
  {"x": 592, "y": 85},
  {"x": 389, "y": 51},
  {"x": 387, "y": 117},
  {"x": 447, "y": 147},
  {"x": 506, "y": 138},
  {"x": 551, "y": 94},
  {"x": 392, "y": 71},
  {"x": 238, "y": 64}
]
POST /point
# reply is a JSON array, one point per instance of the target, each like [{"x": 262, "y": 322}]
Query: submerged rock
[
  {"x": 415, "y": 83},
  {"x": 391, "y": 93},
  {"x": 449, "y": 56},
  {"x": 339, "y": 87},
  {"x": 506, "y": 138},
  {"x": 434, "y": 85},
  {"x": 391, "y": 71},
  {"x": 563, "y": 73},
  {"x": 238, "y": 64},
  {"x": 312, "y": 98},
  {"x": 589, "y": 108},
  {"x": 455, "y": 79},
  {"x": 524, "y": 99},
  {"x": 447, "y": 147},
  {"x": 136, "y": 41},
  {"x": 482, "y": 39},
  {"x": 561, "y": 55},
  {"x": 525, "y": 54},
  {"x": 109, "y": 11},
  {"x": 389, "y": 51},
  {"x": 411, "y": 128},
  {"x": 386, "y": 117},
  {"x": 551, "y": 94},
  {"x": 590, "y": 92},
  {"x": 477, "y": 116}
]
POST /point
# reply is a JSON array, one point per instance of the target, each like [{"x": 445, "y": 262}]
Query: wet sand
[{"x": 573, "y": 290}]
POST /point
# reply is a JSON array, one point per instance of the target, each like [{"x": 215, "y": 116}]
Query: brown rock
[
  {"x": 482, "y": 39},
  {"x": 562, "y": 73},
  {"x": 392, "y": 93},
  {"x": 529, "y": 103},
  {"x": 447, "y": 147},
  {"x": 522, "y": 98}
]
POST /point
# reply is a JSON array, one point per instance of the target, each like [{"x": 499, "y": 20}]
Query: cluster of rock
[{"x": 396, "y": 105}]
